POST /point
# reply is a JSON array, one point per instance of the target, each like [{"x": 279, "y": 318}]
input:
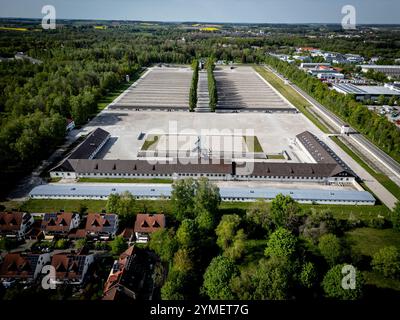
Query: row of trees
[
  {"x": 193, "y": 86},
  {"x": 212, "y": 84},
  {"x": 186, "y": 249},
  {"x": 378, "y": 129}
]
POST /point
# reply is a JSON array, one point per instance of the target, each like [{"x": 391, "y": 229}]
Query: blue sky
[{"x": 257, "y": 11}]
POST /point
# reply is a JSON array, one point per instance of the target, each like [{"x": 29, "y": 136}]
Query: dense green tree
[
  {"x": 318, "y": 223},
  {"x": 175, "y": 286},
  {"x": 226, "y": 230},
  {"x": 61, "y": 244},
  {"x": 259, "y": 214},
  {"x": 396, "y": 217},
  {"x": 387, "y": 262},
  {"x": 122, "y": 204},
  {"x": 194, "y": 84},
  {"x": 282, "y": 207},
  {"x": 164, "y": 243},
  {"x": 183, "y": 261},
  {"x": 330, "y": 248},
  {"x": 182, "y": 198},
  {"x": 205, "y": 220},
  {"x": 332, "y": 285},
  {"x": 118, "y": 245},
  {"x": 81, "y": 243},
  {"x": 187, "y": 234},
  {"x": 207, "y": 196},
  {"x": 281, "y": 243},
  {"x": 270, "y": 279},
  {"x": 308, "y": 276},
  {"x": 217, "y": 278},
  {"x": 237, "y": 249}
]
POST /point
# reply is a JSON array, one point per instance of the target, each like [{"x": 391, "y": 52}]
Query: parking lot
[
  {"x": 159, "y": 88},
  {"x": 242, "y": 89}
]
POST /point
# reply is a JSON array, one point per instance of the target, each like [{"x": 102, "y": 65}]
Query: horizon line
[{"x": 207, "y": 22}]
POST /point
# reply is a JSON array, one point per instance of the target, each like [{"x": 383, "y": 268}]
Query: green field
[
  {"x": 124, "y": 180},
  {"x": 111, "y": 96},
  {"x": 372, "y": 278},
  {"x": 363, "y": 213},
  {"x": 367, "y": 241},
  {"x": 294, "y": 97}
]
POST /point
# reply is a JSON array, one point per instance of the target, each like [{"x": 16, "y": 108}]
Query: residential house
[
  {"x": 59, "y": 224},
  {"x": 146, "y": 224},
  {"x": 128, "y": 275},
  {"x": 23, "y": 267},
  {"x": 72, "y": 268},
  {"x": 103, "y": 226},
  {"x": 15, "y": 224}
]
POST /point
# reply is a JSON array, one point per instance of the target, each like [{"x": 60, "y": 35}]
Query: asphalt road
[
  {"x": 380, "y": 191},
  {"x": 364, "y": 143}
]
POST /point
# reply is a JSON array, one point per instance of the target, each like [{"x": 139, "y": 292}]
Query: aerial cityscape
[{"x": 199, "y": 157}]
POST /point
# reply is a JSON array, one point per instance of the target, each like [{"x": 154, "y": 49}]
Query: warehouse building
[
  {"x": 389, "y": 70},
  {"x": 365, "y": 92},
  {"x": 155, "y": 192}
]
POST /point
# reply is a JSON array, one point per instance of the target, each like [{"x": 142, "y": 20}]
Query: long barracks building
[{"x": 325, "y": 165}]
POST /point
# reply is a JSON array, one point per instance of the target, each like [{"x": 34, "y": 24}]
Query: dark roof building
[{"x": 91, "y": 145}]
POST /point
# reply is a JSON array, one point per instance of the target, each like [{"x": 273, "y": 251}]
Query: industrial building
[
  {"x": 392, "y": 71},
  {"x": 365, "y": 92}
]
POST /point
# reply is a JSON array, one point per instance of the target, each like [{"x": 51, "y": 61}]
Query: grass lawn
[
  {"x": 111, "y": 96},
  {"x": 375, "y": 279},
  {"x": 253, "y": 144},
  {"x": 367, "y": 241},
  {"x": 341, "y": 212},
  {"x": 50, "y": 205},
  {"x": 294, "y": 97},
  {"x": 151, "y": 140},
  {"x": 275, "y": 156},
  {"x": 384, "y": 180},
  {"x": 123, "y": 180}
]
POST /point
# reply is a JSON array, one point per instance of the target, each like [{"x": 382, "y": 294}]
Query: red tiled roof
[
  {"x": 148, "y": 223},
  {"x": 17, "y": 265},
  {"x": 113, "y": 281},
  {"x": 60, "y": 223},
  {"x": 96, "y": 222},
  {"x": 68, "y": 265},
  {"x": 10, "y": 221}
]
